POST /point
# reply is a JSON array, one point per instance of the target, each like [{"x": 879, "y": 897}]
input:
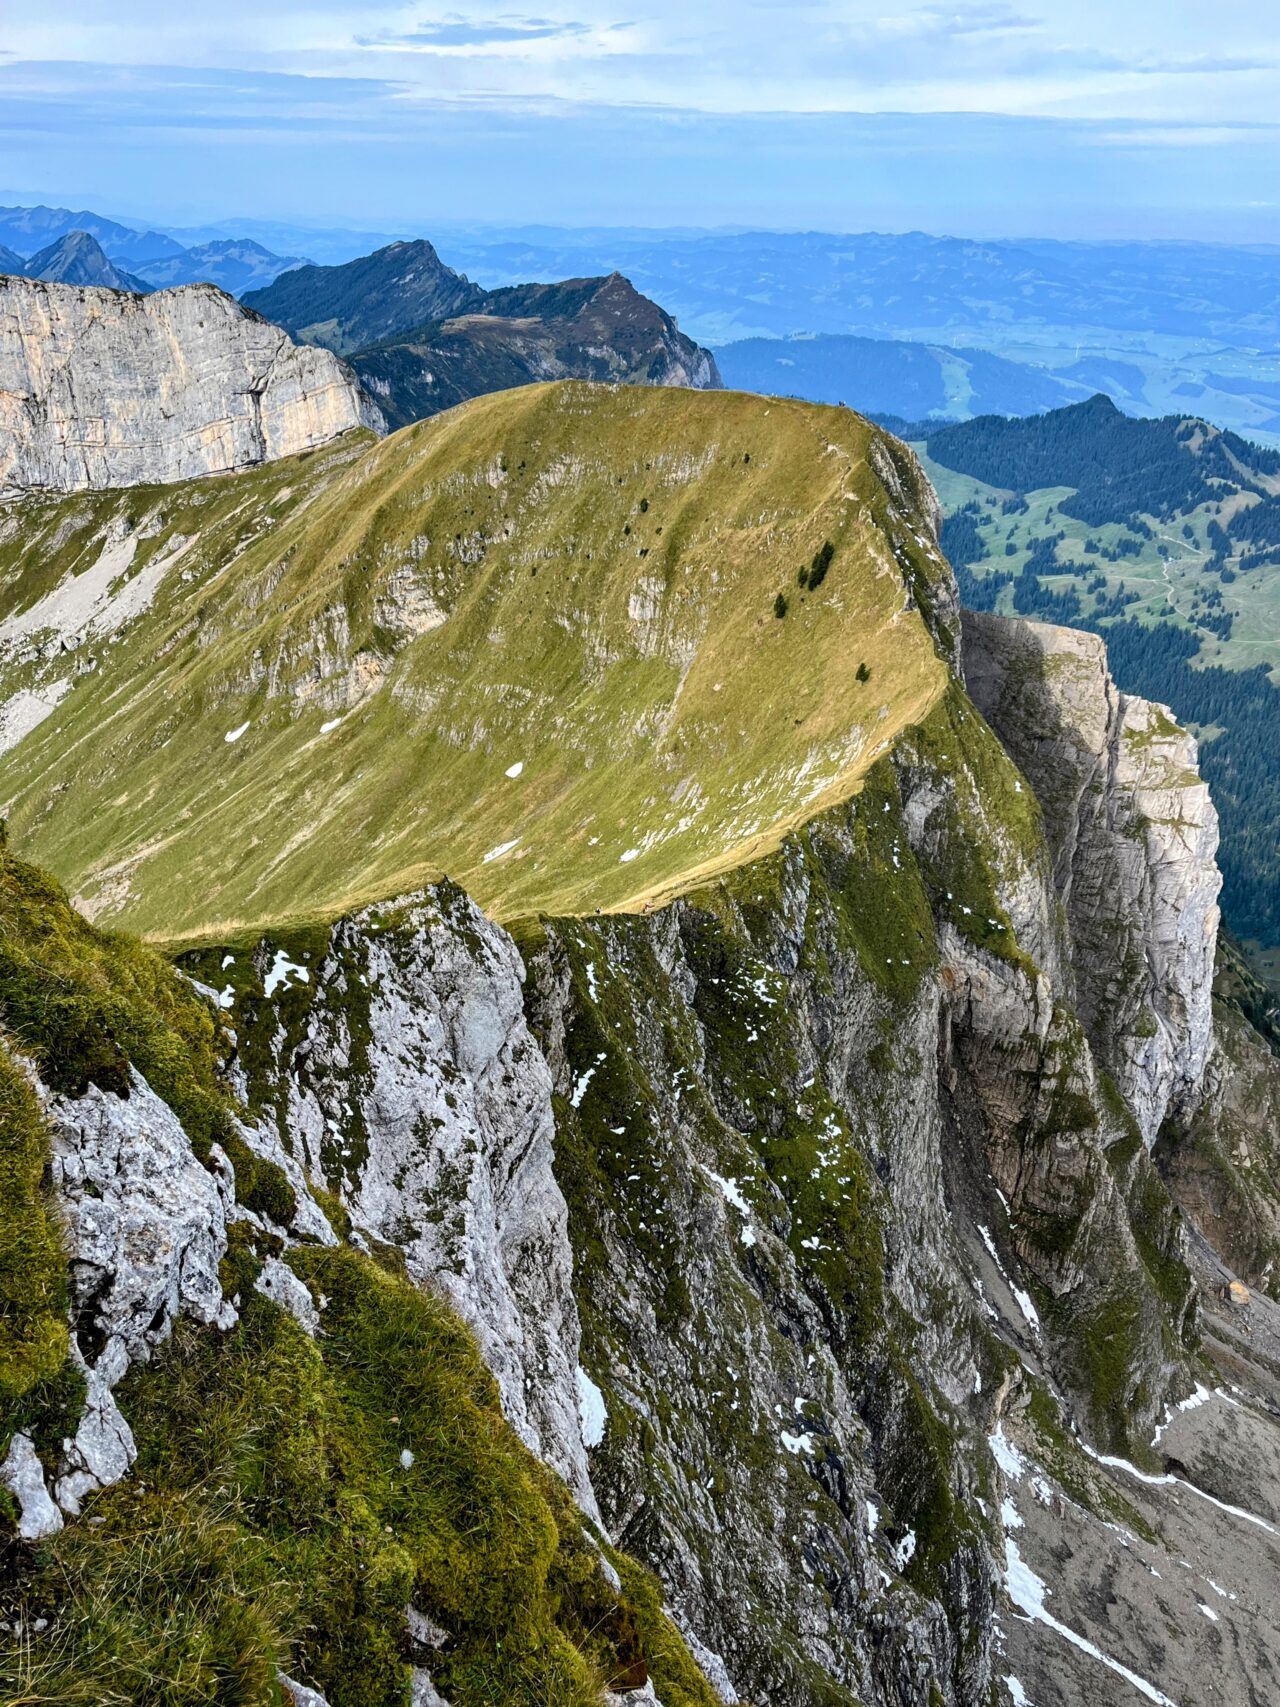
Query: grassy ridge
[{"x": 573, "y": 584}]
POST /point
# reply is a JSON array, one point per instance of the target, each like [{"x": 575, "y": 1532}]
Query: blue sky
[{"x": 1094, "y": 117}]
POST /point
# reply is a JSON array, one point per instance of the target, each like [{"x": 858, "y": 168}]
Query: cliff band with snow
[{"x": 789, "y": 1137}]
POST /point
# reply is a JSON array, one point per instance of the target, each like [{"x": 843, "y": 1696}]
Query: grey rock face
[
  {"x": 103, "y": 388},
  {"x": 417, "y": 1089},
  {"x": 145, "y": 1220},
  {"x": 1134, "y": 837},
  {"x": 281, "y": 1285},
  {"x": 23, "y": 1474},
  {"x": 422, "y": 1692},
  {"x": 145, "y": 1228},
  {"x": 102, "y": 1450},
  {"x": 754, "y": 1419},
  {"x": 1223, "y": 1162}
]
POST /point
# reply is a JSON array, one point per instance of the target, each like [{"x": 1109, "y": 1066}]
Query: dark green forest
[
  {"x": 1122, "y": 467},
  {"x": 1125, "y": 471}
]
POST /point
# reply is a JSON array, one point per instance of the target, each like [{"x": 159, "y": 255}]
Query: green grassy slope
[
  {"x": 532, "y": 643},
  {"x": 292, "y": 1495}
]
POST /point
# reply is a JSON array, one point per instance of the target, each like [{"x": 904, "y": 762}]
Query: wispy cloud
[
  {"x": 455, "y": 31},
  {"x": 395, "y": 81},
  {"x": 956, "y": 22}
]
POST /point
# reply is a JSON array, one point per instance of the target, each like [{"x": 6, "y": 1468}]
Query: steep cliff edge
[
  {"x": 800, "y": 1202},
  {"x": 1133, "y": 835},
  {"x": 104, "y": 388}
]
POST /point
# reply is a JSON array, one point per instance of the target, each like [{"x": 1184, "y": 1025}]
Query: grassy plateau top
[{"x": 560, "y": 643}]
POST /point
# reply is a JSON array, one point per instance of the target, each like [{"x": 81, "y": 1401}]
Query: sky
[{"x": 1068, "y": 118}]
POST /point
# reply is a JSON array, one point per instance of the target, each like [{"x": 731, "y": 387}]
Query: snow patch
[
  {"x": 282, "y": 970},
  {"x": 1201, "y": 1396},
  {"x": 1028, "y": 1592},
  {"x": 1168, "y": 1481},
  {"x": 1006, "y": 1454},
  {"x": 593, "y": 1416},
  {"x": 497, "y": 853}
]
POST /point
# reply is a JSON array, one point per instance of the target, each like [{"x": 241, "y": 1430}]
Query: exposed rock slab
[
  {"x": 417, "y": 1089},
  {"x": 1134, "y": 837},
  {"x": 104, "y": 388}
]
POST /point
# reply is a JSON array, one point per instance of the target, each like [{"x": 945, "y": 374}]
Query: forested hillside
[{"x": 1163, "y": 535}]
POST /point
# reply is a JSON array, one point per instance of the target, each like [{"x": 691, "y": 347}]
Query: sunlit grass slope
[{"x": 534, "y": 643}]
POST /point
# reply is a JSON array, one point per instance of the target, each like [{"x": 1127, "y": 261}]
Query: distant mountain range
[
  {"x": 31, "y": 240},
  {"x": 1160, "y": 327},
  {"x": 910, "y": 325},
  {"x": 882, "y": 376},
  {"x": 423, "y": 337}
]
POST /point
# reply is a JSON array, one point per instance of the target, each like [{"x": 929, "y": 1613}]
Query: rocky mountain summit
[
  {"x": 100, "y": 388},
  {"x": 423, "y": 337},
  {"x": 776, "y": 1251},
  {"x": 78, "y": 259},
  {"x": 367, "y": 300},
  {"x": 596, "y": 329}
]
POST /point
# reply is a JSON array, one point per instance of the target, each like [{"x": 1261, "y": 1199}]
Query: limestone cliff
[
  {"x": 104, "y": 388},
  {"x": 1133, "y": 835}
]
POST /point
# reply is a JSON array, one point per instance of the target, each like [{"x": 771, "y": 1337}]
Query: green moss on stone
[{"x": 293, "y": 1496}]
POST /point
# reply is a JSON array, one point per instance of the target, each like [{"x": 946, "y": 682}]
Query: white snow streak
[
  {"x": 282, "y": 969},
  {"x": 593, "y": 1416},
  {"x": 497, "y": 853}
]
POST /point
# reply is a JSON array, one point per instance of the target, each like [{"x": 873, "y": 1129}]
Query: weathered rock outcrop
[
  {"x": 103, "y": 388},
  {"x": 146, "y": 1227},
  {"x": 406, "y": 1076},
  {"x": 1134, "y": 837}
]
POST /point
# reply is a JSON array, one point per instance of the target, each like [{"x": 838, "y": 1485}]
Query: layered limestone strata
[
  {"x": 1134, "y": 837},
  {"x": 103, "y": 388}
]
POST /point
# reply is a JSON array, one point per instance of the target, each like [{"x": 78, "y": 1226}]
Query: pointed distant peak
[
  {"x": 414, "y": 249},
  {"x": 79, "y": 259}
]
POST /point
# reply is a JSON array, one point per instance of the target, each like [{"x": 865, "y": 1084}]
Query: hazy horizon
[{"x": 984, "y": 119}]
